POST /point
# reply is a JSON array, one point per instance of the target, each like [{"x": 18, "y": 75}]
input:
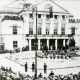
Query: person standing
[
  {"x": 33, "y": 67},
  {"x": 40, "y": 75},
  {"x": 51, "y": 74},
  {"x": 45, "y": 68},
  {"x": 26, "y": 67}
]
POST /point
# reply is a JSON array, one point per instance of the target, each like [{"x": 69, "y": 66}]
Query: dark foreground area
[{"x": 8, "y": 74}]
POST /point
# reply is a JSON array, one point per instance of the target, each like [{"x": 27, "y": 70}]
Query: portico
[{"x": 50, "y": 44}]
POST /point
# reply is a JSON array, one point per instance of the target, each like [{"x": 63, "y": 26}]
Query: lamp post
[
  {"x": 36, "y": 49},
  {"x": 35, "y": 8}
]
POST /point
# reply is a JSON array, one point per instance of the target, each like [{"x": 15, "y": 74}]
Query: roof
[
  {"x": 44, "y": 7},
  {"x": 13, "y": 7},
  {"x": 56, "y": 7},
  {"x": 17, "y": 7}
]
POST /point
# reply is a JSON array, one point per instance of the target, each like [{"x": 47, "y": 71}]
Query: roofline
[
  {"x": 8, "y": 13},
  {"x": 71, "y": 15},
  {"x": 9, "y": 3},
  {"x": 40, "y": 11},
  {"x": 12, "y": 3},
  {"x": 5, "y": 6},
  {"x": 59, "y": 6},
  {"x": 30, "y": 10},
  {"x": 24, "y": 9},
  {"x": 43, "y": 11}
]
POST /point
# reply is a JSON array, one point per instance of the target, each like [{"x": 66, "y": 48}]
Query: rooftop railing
[
  {"x": 12, "y": 18},
  {"x": 51, "y": 35},
  {"x": 74, "y": 20}
]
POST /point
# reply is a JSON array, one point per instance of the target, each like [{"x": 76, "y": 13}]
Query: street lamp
[
  {"x": 35, "y": 8},
  {"x": 36, "y": 49}
]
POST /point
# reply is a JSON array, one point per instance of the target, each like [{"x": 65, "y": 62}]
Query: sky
[{"x": 73, "y": 6}]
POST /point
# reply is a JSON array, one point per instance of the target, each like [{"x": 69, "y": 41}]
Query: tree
[{"x": 72, "y": 42}]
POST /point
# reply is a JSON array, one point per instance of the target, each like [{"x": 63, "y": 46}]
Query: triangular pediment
[
  {"x": 44, "y": 7},
  {"x": 17, "y": 7}
]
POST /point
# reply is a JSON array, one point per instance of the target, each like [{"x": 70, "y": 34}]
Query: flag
[
  {"x": 51, "y": 12},
  {"x": 33, "y": 10}
]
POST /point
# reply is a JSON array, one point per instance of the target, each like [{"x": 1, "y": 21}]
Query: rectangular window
[
  {"x": 63, "y": 29},
  {"x": 14, "y": 29},
  {"x": 47, "y": 16},
  {"x": 30, "y": 15},
  {"x": 39, "y": 15},
  {"x": 63, "y": 17},
  {"x": 55, "y": 16},
  {"x": 39, "y": 29},
  {"x": 55, "y": 28},
  {"x": 26, "y": 5},
  {"x": 47, "y": 28},
  {"x": 73, "y": 30},
  {"x": 15, "y": 44},
  {"x": 30, "y": 28}
]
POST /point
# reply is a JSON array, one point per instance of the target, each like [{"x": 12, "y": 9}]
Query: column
[
  {"x": 34, "y": 24},
  {"x": 59, "y": 24},
  {"x": 0, "y": 34},
  {"x": 51, "y": 25},
  {"x": 48, "y": 43},
  {"x": 67, "y": 42},
  {"x": 67, "y": 25},
  {"x": 44, "y": 25},
  {"x": 64, "y": 42},
  {"x": 30, "y": 44},
  {"x": 38, "y": 44},
  {"x": 26, "y": 24},
  {"x": 56, "y": 45}
]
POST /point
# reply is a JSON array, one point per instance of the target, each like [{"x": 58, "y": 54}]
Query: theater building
[{"x": 18, "y": 26}]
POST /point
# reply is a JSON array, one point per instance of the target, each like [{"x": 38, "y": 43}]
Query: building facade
[
  {"x": 18, "y": 27},
  {"x": 74, "y": 26}
]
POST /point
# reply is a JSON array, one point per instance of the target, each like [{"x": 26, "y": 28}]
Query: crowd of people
[
  {"x": 59, "y": 54},
  {"x": 51, "y": 76},
  {"x": 8, "y": 74}
]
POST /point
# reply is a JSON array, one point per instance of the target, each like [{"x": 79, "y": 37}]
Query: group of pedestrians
[
  {"x": 33, "y": 67},
  {"x": 26, "y": 67}
]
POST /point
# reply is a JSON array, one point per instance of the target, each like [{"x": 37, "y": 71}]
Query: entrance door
[
  {"x": 52, "y": 44},
  {"x": 43, "y": 44},
  {"x": 33, "y": 44},
  {"x": 60, "y": 43}
]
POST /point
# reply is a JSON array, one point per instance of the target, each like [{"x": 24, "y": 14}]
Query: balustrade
[{"x": 12, "y": 18}]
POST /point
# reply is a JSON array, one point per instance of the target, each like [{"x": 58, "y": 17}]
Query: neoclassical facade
[{"x": 18, "y": 26}]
